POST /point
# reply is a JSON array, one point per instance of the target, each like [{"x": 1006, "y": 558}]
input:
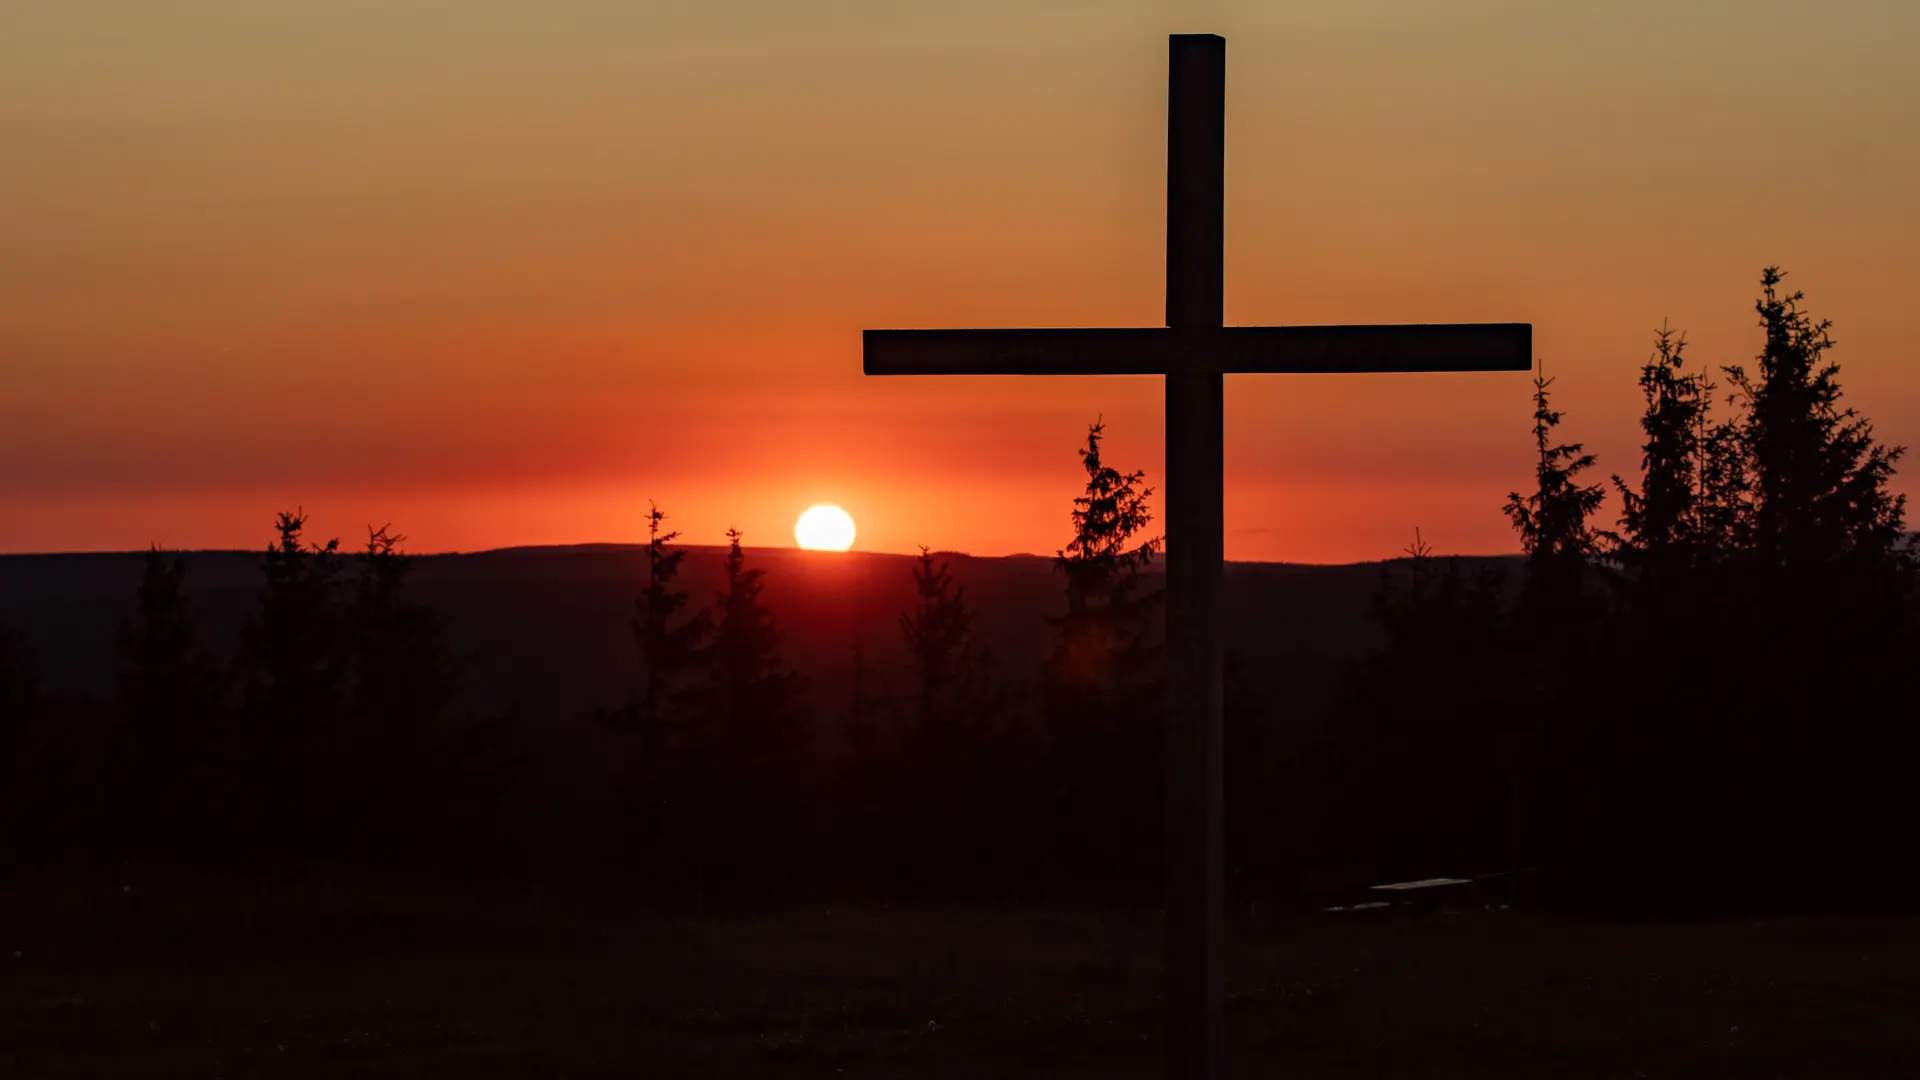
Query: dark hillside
[{"x": 548, "y": 627}]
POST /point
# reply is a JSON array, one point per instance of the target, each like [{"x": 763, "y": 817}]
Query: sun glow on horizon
[{"x": 824, "y": 528}]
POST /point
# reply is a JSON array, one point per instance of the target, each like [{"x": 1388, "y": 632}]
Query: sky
[{"x": 500, "y": 273}]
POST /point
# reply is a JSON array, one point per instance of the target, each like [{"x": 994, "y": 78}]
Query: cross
[{"x": 1193, "y": 351}]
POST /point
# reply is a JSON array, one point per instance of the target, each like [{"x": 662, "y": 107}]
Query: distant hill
[
  {"x": 549, "y": 626},
  {"x": 549, "y": 630}
]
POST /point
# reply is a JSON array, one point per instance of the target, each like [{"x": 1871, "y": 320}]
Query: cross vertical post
[{"x": 1195, "y": 532}]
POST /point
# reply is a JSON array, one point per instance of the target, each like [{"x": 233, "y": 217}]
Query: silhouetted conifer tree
[
  {"x": 1654, "y": 720},
  {"x": 1544, "y": 667},
  {"x": 1825, "y": 595},
  {"x": 654, "y": 785},
  {"x": 1106, "y": 622},
  {"x": 1662, "y": 528},
  {"x": 1101, "y": 689},
  {"x": 169, "y": 690},
  {"x": 1554, "y": 532},
  {"x": 292, "y": 662},
  {"x": 393, "y": 784},
  {"x": 750, "y": 751},
  {"x": 1819, "y": 487}
]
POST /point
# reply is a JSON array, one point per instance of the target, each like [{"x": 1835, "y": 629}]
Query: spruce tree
[
  {"x": 1554, "y": 533},
  {"x": 1107, "y": 617},
  {"x": 1656, "y": 722},
  {"x": 750, "y": 749},
  {"x": 1824, "y": 600},
  {"x": 293, "y": 663},
  {"x": 1819, "y": 477},
  {"x": 669, "y": 647},
  {"x": 1102, "y": 693},
  {"x": 1545, "y": 666},
  {"x": 386, "y": 758},
  {"x": 1662, "y": 523}
]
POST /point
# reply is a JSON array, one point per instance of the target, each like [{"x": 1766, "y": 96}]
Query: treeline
[
  {"x": 1705, "y": 705},
  {"x": 949, "y": 778},
  {"x": 328, "y": 736},
  {"x": 1709, "y": 705}
]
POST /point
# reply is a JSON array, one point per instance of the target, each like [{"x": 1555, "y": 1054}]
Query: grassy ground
[{"x": 194, "y": 979}]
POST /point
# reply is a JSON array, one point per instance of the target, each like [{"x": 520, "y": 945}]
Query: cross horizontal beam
[{"x": 1231, "y": 350}]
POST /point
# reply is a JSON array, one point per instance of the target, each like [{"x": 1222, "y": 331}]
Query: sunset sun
[{"x": 824, "y": 528}]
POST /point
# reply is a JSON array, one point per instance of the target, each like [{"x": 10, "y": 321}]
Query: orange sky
[{"x": 500, "y": 272}]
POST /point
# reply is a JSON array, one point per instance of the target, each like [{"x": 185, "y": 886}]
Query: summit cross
[{"x": 1193, "y": 351}]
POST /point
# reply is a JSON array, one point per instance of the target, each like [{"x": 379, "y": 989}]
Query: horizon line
[{"x": 641, "y": 546}]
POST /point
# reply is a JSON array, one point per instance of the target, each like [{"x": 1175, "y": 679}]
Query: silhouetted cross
[{"x": 1193, "y": 351}]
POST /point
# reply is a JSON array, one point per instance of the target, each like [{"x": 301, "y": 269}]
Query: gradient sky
[{"x": 500, "y": 272}]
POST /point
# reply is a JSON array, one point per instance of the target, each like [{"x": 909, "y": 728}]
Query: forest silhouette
[{"x": 1701, "y": 707}]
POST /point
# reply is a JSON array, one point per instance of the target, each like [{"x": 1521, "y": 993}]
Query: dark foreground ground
[{"x": 188, "y": 978}]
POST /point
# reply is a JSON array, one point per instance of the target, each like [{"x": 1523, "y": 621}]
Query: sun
[{"x": 824, "y": 528}]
